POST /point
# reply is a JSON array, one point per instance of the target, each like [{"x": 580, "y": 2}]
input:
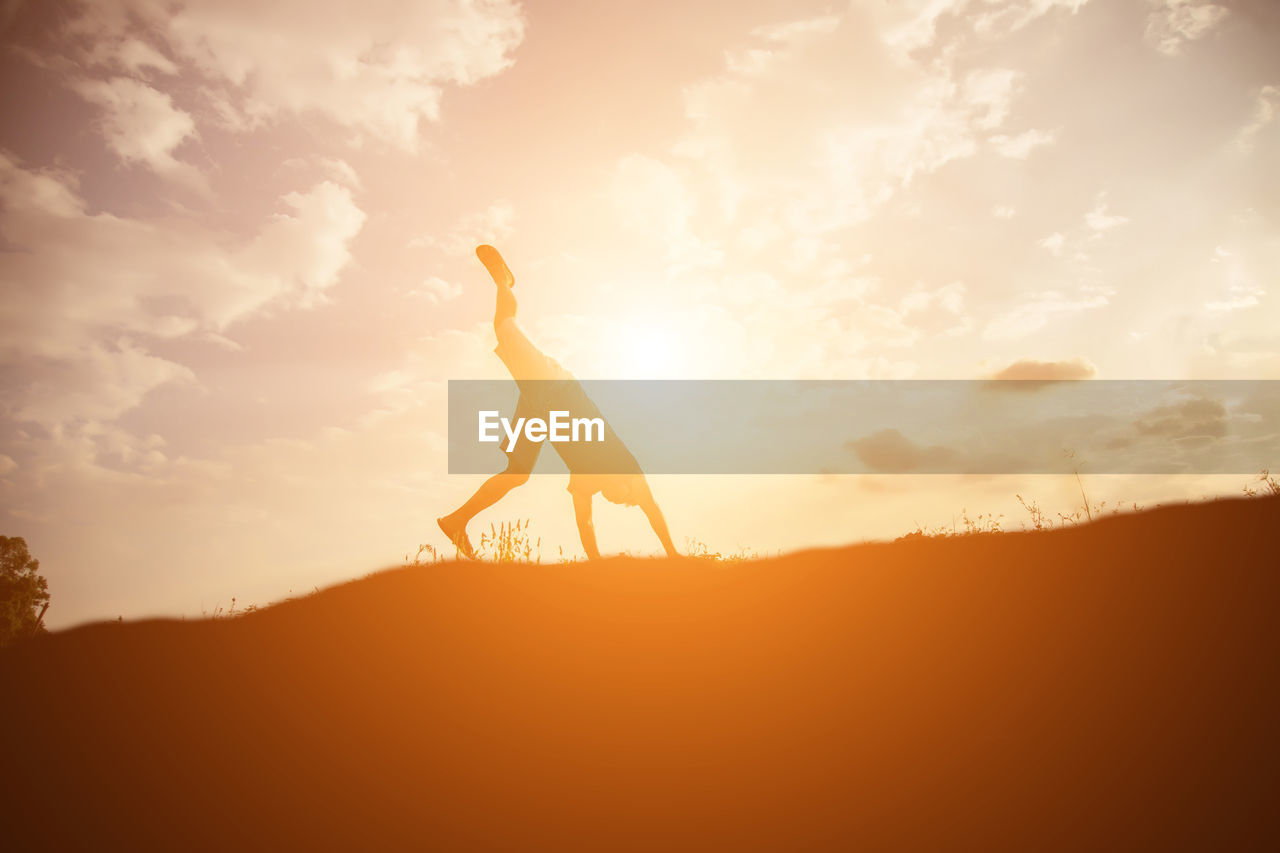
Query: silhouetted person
[{"x": 546, "y": 386}]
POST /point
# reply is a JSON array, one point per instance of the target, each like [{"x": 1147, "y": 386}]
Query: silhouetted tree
[{"x": 23, "y": 592}]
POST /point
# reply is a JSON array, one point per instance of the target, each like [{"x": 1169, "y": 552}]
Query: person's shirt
[{"x": 607, "y": 456}]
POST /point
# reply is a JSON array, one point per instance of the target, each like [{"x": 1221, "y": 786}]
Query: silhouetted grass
[{"x": 512, "y": 541}]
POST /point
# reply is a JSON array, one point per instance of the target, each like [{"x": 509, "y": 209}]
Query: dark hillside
[{"x": 1107, "y": 686}]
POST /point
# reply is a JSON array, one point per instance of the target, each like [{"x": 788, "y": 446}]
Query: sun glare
[{"x": 647, "y": 350}]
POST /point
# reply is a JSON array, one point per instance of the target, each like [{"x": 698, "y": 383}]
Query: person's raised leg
[
  {"x": 505, "y": 307},
  {"x": 519, "y": 463}
]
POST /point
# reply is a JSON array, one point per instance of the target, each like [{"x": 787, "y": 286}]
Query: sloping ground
[{"x": 1108, "y": 686}]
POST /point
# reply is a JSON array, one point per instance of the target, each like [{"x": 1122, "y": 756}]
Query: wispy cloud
[
  {"x": 1173, "y": 23},
  {"x": 1054, "y": 243},
  {"x": 491, "y": 225},
  {"x": 377, "y": 69},
  {"x": 1266, "y": 103},
  {"x": 437, "y": 290},
  {"x": 1099, "y": 219},
  {"x": 88, "y": 289},
  {"x": 1019, "y": 147},
  {"x": 1033, "y": 314},
  {"x": 141, "y": 125}
]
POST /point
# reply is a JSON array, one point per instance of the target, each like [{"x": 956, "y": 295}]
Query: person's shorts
[
  {"x": 526, "y": 362},
  {"x": 625, "y": 489},
  {"x": 522, "y": 457}
]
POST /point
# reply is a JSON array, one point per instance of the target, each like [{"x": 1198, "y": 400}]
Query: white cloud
[
  {"x": 1004, "y": 18},
  {"x": 99, "y": 382},
  {"x": 835, "y": 146},
  {"x": 85, "y": 292},
  {"x": 937, "y": 312},
  {"x": 137, "y": 56},
  {"x": 302, "y": 251},
  {"x": 773, "y": 41},
  {"x": 910, "y": 26},
  {"x": 419, "y": 381},
  {"x": 852, "y": 132},
  {"x": 141, "y": 125},
  {"x": 1174, "y": 22},
  {"x": 836, "y": 154},
  {"x": 334, "y": 168},
  {"x": 793, "y": 30},
  {"x": 377, "y": 68},
  {"x": 1034, "y": 314},
  {"x": 1266, "y": 104},
  {"x": 340, "y": 170},
  {"x": 1020, "y": 146},
  {"x": 1099, "y": 220},
  {"x": 1242, "y": 291},
  {"x": 492, "y": 225},
  {"x": 990, "y": 92},
  {"x": 437, "y": 290},
  {"x": 867, "y": 165},
  {"x": 1237, "y": 298},
  {"x": 1054, "y": 242}
]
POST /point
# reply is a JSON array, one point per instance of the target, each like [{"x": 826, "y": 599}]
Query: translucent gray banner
[{"x": 870, "y": 426}]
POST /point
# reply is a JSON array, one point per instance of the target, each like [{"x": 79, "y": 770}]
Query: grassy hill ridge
[{"x": 1107, "y": 685}]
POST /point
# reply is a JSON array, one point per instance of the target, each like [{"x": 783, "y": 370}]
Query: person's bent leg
[
  {"x": 520, "y": 463},
  {"x": 492, "y": 490}
]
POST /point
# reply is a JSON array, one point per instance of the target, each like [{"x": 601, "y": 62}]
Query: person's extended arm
[
  {"x": 586, "y": 528},
  {"x": 659, "y": 525}
]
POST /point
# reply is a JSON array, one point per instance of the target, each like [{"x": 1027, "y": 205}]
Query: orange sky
[{"x": 238, "y": 237}]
